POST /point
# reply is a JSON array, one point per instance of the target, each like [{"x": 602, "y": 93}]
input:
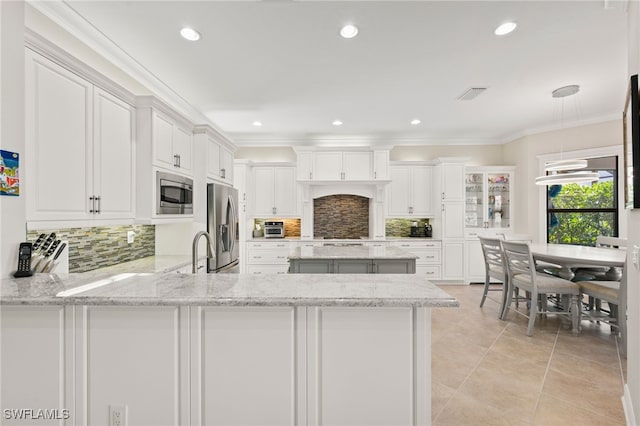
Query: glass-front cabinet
[{"x": 488, "y": 199}]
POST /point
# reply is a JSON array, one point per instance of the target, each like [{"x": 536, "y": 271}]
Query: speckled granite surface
[
  {"x": 171, "y": 288},
  {"x": 350, "y": 252}
]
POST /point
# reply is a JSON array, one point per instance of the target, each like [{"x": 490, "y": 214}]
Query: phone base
[{"x": 22, "y": 274}]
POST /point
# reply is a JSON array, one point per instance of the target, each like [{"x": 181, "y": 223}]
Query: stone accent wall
[
  {"x": 291, "y": 226},
  {"x": 93, "y": 248},
  {"x": 402, "y": 227},
  {"x": 341, "y": 216}
]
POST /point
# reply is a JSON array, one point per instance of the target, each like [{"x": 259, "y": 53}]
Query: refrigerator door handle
[{"x": 234, "y": 219}]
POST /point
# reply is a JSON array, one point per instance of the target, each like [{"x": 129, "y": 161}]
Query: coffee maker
[
  {"x": 414, "y": 229},
  {"x": 428, "y": 230}
]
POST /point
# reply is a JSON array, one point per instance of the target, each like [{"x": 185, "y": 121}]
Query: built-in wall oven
[{"x": 174, "y": 194}]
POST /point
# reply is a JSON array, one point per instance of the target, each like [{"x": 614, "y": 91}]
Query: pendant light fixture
[{"x": 566, "y": 171}]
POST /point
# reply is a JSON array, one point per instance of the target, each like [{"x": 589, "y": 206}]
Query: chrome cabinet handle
[
  {"x": 223, "y": 173},
  {"x": 99, "y": 204},
  {"x": 176, "y": 160},
  {"x": 93, "y": 204}
]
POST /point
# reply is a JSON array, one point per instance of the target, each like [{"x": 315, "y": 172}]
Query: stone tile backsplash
[
  {"x": 341, "y": 216},
  {"x": 93, "y": 248},
  {"x": 402, "y": 227}
]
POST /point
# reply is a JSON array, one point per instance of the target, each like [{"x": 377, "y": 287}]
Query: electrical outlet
[
  {"x": 117, "y": 415},
  {"x": 131, "y": 236}
]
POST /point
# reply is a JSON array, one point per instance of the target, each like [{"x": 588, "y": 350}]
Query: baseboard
[
  {"x": 448, "y": 282},
  {"x": 627, "y": 404}
]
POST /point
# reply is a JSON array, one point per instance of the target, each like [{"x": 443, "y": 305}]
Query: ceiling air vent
[{"x": 471, "y": 93}]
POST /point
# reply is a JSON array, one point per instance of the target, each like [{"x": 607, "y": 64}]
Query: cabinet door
[
  {"x": 264, "y": 191},
  {"x": 213, "y": 158},
  {"x": 58, "y": 133},
  {"x": 398, "y": 198},
  {"x": 475, "y": 267},
  {"x": 113, "y": 154},
  {"x": 305, "y": 165},
  {"x": 346, "y": 266},
  {"x": 327, "y": 166},
  {"x": 421, "y": 190},
  {"x": 226, "y": 166},
  {"x": 453, "y": 220},
  {"x": 453, "y": 181},
  {"x": 284, "y": 179},
  {"x": 380, "y": 164},
  {"x": 356, "y": 165},
  {"x": 453, "y": 260},
  {"x": 182, "y": 147},
  {"x": 163, "y": 141}
]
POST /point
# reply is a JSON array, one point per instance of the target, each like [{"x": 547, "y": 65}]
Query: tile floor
[{"x": 488, "y": 372}]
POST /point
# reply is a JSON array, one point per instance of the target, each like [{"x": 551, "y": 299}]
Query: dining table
[{"x": 568, "y": 257}]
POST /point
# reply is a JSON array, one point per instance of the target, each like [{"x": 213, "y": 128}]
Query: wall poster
[{"x": 9, "y": 176}]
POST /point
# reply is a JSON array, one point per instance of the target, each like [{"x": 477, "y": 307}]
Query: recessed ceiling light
[
  {"x": 337, "y": 123},
  {"x": 505, "y": 28},
  {"x": 190, "y": 34},
  {"x": 257, "y": 123},
  {"x": 349, "y": 31},
  {"x": 415, "y": 122}
]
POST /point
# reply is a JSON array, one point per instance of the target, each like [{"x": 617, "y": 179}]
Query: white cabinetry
[
  {"x": 219, "y": 154},
  {"x": 488, "y": 212},
  {"x": 409, "y": 193},
  {"x": 450, "y": 175},
  {"x": 268, "y": 257},
  {"x": 342, "y": 165},
  {"x": 275, "y": 191},
  {"x": 79, "y": 142},
  {"x": 164, "y": 143},
  {"x": 429, "y": 252},
  {"x": 172, "y": 144}
]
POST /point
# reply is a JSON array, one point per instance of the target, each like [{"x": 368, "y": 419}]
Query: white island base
[{"x": 234, "y": 358}]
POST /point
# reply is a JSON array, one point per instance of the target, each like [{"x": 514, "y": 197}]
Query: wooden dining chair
[
  {"x": 522, "y": 274},
  {"x": 494, "y": 268}
]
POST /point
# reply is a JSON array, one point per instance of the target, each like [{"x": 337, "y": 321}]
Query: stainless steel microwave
[{"x": 174, "y": 194}]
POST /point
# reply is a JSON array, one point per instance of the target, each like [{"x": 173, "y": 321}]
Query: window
[{"x": 578, "y": 213}]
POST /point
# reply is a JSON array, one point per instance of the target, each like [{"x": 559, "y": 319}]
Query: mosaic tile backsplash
[
  {"x": 402, "y": 227},
  {"x": 93, "y": 248},
  {"x": 291, "y": 226},
  {"x": 341, "y": 216}
]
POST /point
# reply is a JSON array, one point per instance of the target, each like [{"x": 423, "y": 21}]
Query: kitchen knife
[
  {"x": 43, "y": 260},
  {"x": 42, "y": 250},
  {"x": 36, "y": 245},
  {"x": 51, "y": 265}
]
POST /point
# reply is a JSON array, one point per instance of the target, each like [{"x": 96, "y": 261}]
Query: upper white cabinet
[
  {"x": 489, "y": 198},
  {"x": 275, "y": 191},
  {"x": 342, "y": 165},
  {"x": 79, "y": 141},
  {"x": 452, "y": 178},
  {"x": 172, "y": 143},
  {"x": 219, "y": 154},
  {"x": 409, "y": 193}
]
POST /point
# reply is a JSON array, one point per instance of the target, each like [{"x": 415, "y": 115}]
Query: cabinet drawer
[
  {"x": 417, "y": 244},
  {"x": 277, "y": 256},
  {"x": 268, "y": 269},
  {"x": 268, "y": 245},
  {"x": 431, "y": 272}
]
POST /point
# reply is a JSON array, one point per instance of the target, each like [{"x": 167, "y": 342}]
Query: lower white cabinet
[
  {"x": 453, "y": 260},
  {"x": 268, "y": 257},
  {"x": 429, "y": 252},
  {"x": 219, "y": 365}
]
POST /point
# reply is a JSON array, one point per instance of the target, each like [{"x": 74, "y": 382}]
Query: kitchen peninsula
[
  {"x": 347, "y": 259},
  {"x": 212, "y": 349}
]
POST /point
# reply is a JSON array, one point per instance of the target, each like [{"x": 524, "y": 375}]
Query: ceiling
[{"x": 284, "y": 64}]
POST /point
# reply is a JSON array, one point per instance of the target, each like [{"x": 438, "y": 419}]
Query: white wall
[
  {"x": 268, "y": 154},
  {"x": 523, "y": 154},
  {"x": 478, "y": 155},
  {"x": 12, "y": 209},
  {"x": 632, "y": 391}
]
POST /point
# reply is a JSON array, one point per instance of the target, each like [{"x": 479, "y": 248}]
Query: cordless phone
[{"x": 24, "y": 261}]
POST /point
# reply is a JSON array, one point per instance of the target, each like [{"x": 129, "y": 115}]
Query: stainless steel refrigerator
[{"x": 223, "y": 227}]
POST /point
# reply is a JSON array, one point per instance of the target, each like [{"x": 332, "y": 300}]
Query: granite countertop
[
  {"x": 350, "y": 252},
  {"x": 158, "y": 289}
]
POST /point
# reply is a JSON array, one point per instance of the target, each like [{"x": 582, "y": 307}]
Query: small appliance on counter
[
  {"x": 274, "y": 229},
  {"x": 428, "y": 231},
  {"x": 414, "y": 229}
]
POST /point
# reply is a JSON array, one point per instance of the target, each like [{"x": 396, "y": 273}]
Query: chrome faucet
[{"x": 194, "y": 250}]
